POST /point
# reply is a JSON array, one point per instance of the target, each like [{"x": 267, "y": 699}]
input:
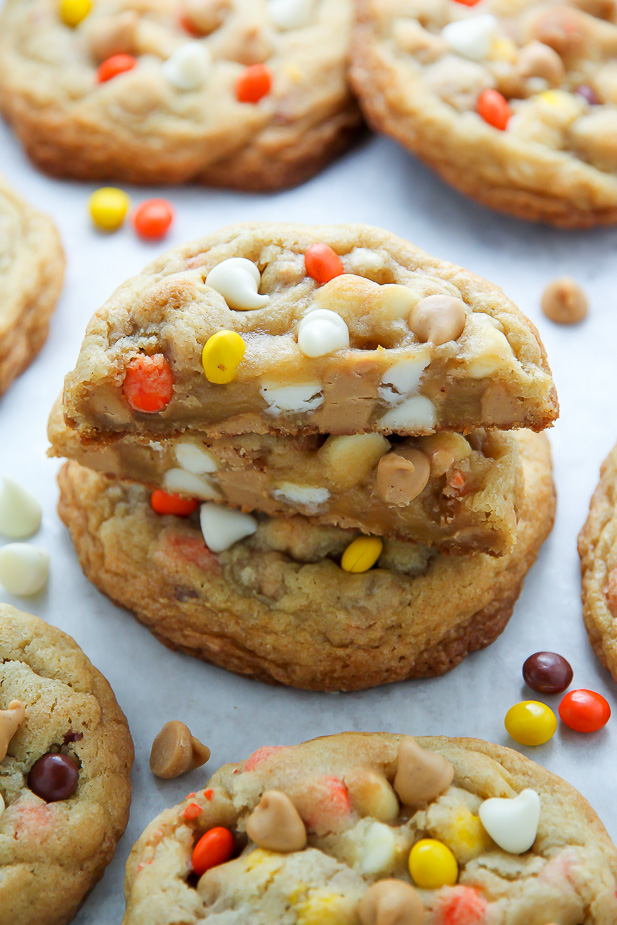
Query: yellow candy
[
  {"x": 108, "y": 207},
  {"x": 503, "y": 50},
  {"x": 530, "y": 722},
  {"x": 432, "y": 865},
  {"x": 73, "y": 11},
  {"x": 221, "y": 356},
  {"x": 362, "y": 554}
]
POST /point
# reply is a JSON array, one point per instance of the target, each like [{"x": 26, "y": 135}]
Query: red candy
[
  {"x": 162, "y": 503},
  {"x": 152, "y": 219},
  {"x": 584, "y": 711},
  {"x": 493, "y": 107},
  {"x": 117, "y": 64},
  {"x": 254, "y": 84},
  {"x": 260, "y": 755},
  {"x": 212, "y": 849},
  {"x": 54, "y": 777},
  {"x": 322, "y": 263},
  {"x": 468, "y": 2},
  {"x": 148, "y": 383},
  {"x": 547, "y": 673}
]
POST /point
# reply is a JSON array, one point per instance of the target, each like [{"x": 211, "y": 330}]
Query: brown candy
[
  {"x": 391, "y": 902},
  {"x": 538, "y": 60},
  {"x": 402, "y": 476},
  {"x": 275, "y": 824},
  {"x": 564, "y": 301},
  {"x": 421, "y": 775},
  {"x": 10, "y": 721},
  {"x": 438, "y": 319},
  {"x": 175, "y": 751}
]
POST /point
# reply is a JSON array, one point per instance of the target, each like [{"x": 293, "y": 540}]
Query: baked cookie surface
[
  {"x": 361, "y": 816},
  {"x": 513, "y": 102},
  {"x": 278, "y": 606},
  {"x": 178, "y": 113},
  {"x": 54, "y": 846},
  {"x": 31, "y": 273}
]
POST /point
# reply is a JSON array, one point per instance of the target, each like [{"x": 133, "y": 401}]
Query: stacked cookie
[{"x": 278, "y": 431}]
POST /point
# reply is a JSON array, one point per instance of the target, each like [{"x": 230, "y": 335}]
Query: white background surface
[{"x": 377, "y": 184}]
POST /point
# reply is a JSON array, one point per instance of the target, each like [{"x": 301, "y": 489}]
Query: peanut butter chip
[
  {"x": 564, "y": 301},
  {"x": 402, "y": 476},
  {"x": 538, "y": 60},
  {"x": 10, "y": 721},
  {"x": 438, "y": 319},
  {"x": 421, "y": 775},
  {"x": 391, "y": 902},
  {"x": 206, "y": 15},
  {"x": 275, "y": 824},
  {"x": 175, "y": 751}
]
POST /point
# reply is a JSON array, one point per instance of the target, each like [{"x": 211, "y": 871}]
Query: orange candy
[
  {"x": 494, "y": 109},
  {"x": 254, "y": 83},
  {"x": 148, "y": 383},
  {"x": 468, "y": 2},
  {"x": 212, "y": 849},
  {"x": 152, "y": 219},
  {"x": 322, "y": 263},
  {"x": 192, "y": 811},
  {"x": 162, "y": 503},
  {"x": 117, "y": 64},
  {"x": 260, "y": 755},
  {"x": 462, "y": 905}
]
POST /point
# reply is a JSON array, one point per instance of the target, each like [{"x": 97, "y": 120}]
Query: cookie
[
  {"x": 31, "y": 273},
  {"x": 459, "y": 494},
  {"x": 597, "y": 547},
  {"x": 65, "y": 779},
  {"x": 277, "y": 606},
  {"x": 511, "y": 103},
  {"x": 378, "y": 828},
  {"x": 293, "y": 329},
  {"x": 250, "y": 94}
]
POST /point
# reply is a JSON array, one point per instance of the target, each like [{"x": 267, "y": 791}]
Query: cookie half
[
  {"x": 65, "y": 780},
  {"x": 513, "y": 104},
  {"x": 355, "y": 799},
  {"x": 277, "y": 605},
  {"x": 240, "y": 93},
  {"x": 31, "y": 274}
]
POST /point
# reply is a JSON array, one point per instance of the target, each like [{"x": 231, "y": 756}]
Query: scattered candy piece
[
  {"x": 468, "y": 2},
  {"x": 175, "y": 751},
  {"x": 391, "y": 902},
  {"x": 547, "y": 673},
  {"x": 148, "y": 383},
  {"x": 213, "y": 848},
  {"x": 254, "y": 84},
  {"x": 421, "y": 775},
  {"x": 152, "y": 219},
  {"x": 188, "y": 67},
  {"x": 114, "y": 66},
  {"x": 222, "y": 526},
  {"x": 438, "y": 319},
  {"x": 584, "y": 711},
  {"x": 530, "y": 722},
  {"x": 432, "y": 864},
  {"x": 72, "y": 12},
  {"x": 238, "y": 280},
  {"x": 322, "y": 263},
  {"x": 564, "y": 302},
  {"x": 192, "y": 811},
  {"x": 275, "y": 824},
  {"x": 321, "y": 332},
  {"x": 362, "y": 554},
  {"x": 471, "y": 37},
  {"x": 108, "y": 207},
  {"x": 512, "y": 823},
  {"x": 493, "y": 107},
  {"x": 20, "y": 512},
  {"x": 221, "y": 356},
  {"x": 10, "y": 721},
  {"x": 54, "y": 777},
  {"x": 164, "y": 503},
  {"x": 24, "y": 570}
]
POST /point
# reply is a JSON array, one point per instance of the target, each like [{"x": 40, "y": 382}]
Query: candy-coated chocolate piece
[
  {"x": 547, "y": 673},
  {"x": 72, "y": 12},
  {"x": 213, "y": 848},
  {"x": 175, "y": 751},
  {"x": 584, "y": 711},
  {"x": 432, "y": 864},
  {"x": 10, "y": 721},
  {"x": 221, "y": 356},
  {"x": 54, "y": 777},
  {"x": 152, "y": 219},
  {"x": 164, "y": 503},
  {"x": 391, "y": 902},
  {"x": 493, "y": 107},
  {"x": 362, "y": 554},
  {"x": 114, "y": 66},
  {"x": 530, "y": 722},
  {"x": 421, "y": 775},
  {"x": 148, "y": 383},
  {"x": 275, "y": 824},
  {"x": 108, "y": 207},
  {"x": 322, "y": 263},
  {"x": 512, "y": 823},
  {"x": 254, "y": 84}
]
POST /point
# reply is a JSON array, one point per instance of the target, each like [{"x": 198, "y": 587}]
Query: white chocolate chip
[
  {"x": 222, "y": 526},
  {"x": 194, "y": 459},
  {"x": 512, "y": 823},
  {"x": 491, "y": 349},
  {"x": 307, "y": 396},
  {"x": 290, "y": 14},
  {"x": 20, "y": 512},
  {"x": 237, "y": 279},
  {"x": 306, "y": 495},
  {"x": 187, "y": 483},
  {"x": 416, "y": 413},
  {"x": 321, "y": 332},
  {"x": 403, "y": 378},
  {"x": 376, "y": 848},
  {"x": 24, "y": 570},
  {"x": 471, "y": 37},
  {"x": 188, "y": 66}
]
